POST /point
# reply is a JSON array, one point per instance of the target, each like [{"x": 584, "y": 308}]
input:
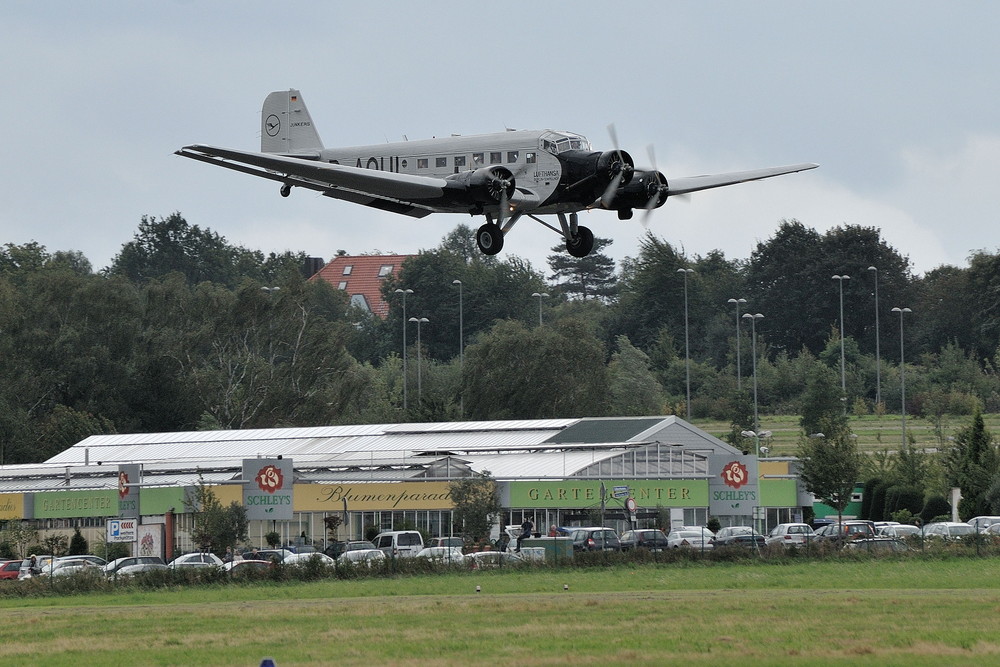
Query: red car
[{"x": 9, "y": 568}]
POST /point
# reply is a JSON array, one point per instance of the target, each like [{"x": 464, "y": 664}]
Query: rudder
[{"x": 285, "y": 125}]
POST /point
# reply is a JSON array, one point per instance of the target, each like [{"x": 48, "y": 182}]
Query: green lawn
[
  {"x": 913, "y": 611},
  {"x": 874, "y": 432}
]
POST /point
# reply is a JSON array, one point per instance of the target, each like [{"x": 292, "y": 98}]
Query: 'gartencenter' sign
[{"x": 587, "y": 493}]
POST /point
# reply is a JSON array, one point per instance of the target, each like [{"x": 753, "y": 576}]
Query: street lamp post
[
  {"x": 687, "y": 345},
  {"x": 461, "y": 345},
  {"x": 757, "y": 435},
  {"x": 753, "y": 341},
  {"x": 902, "y": 370},
  {"x": 878, "y": 352},
  {"x": 843, "y": 367},
  {"x": 419, "y": 321},
  {"x": 540, "y": 296},
  {"x": 404, "y": 292},
  {"x": 739, "y": 371}
]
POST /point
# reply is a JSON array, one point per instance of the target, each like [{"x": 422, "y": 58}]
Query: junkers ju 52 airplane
[{"x": 503, "y": 176}]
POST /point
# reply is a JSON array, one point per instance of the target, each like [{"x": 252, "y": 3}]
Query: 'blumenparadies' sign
[
  {"x": 267, "y": 488},
  {"x": 374, "y": 496}
]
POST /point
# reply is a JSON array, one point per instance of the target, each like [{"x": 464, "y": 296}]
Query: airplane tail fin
[{"x": 285, "y": 125}]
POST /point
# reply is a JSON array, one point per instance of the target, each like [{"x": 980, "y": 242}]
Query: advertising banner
[
  {"x": 733, "y": 488},
  {"x": 11, "y": 506},
  {"x": 149, "y": 540},
  {"x": 72, "y": 504},
  {"x": 582, "y": 494},
  {"x": 373, "y": 497},
  {"x": 129, "y": 478},
  {"x": 267, "y": 488}
]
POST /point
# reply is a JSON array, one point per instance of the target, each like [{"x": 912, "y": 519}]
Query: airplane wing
[
  {"x": 399, "y": 193},
  {"x": 680, "y": 186}
]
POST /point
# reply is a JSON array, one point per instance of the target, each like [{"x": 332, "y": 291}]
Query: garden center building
[{"x": 389, "y": 476}]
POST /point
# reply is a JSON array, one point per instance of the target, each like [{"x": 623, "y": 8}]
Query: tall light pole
[
  {"x": 878, "y": 352},
  {"x": 461, "y": 345},
  {"x": 404, "y": 292},
  {"x": 843, "y": 367},
  {"x": 902, "y": 370},
  {"x": 753, "y": 338},
  {"x": 687, "y": 345},
  {"x": 419, "y": 321},
  {"x": 739, "y": 371},
  {"x": 540, "y": 296}
]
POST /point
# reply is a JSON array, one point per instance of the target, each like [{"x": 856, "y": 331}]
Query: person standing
[{"x": 526, "y": 528}]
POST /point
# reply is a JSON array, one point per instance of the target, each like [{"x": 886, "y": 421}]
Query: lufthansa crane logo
[
  {"x": 271, "y": 125},
  {"x": 735, "y": 474}
]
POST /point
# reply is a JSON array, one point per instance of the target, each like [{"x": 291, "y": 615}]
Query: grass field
[
  {"x": 911, "y": 611},
  {"x": 874, "y": 432}
]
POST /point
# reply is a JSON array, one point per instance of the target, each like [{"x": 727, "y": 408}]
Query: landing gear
[
  {"x": 489, "y": 238},
  {"x": 624, "y": 214},
  {"x": 286, "y": 190},
  {"x": 581, "y": 244}
]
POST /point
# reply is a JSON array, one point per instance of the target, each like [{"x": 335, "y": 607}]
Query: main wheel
[
  {"x": 489, "y": 238},
  {"x": 582, "y": 243}
]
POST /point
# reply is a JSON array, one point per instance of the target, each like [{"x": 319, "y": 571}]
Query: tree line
[{"x": 178, "y": 334}]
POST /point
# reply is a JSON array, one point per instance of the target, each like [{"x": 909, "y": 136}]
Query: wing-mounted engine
[
  {"x": 646, "y": 190},
  {"x": 486, "y": 186},
  {"x": 587, "y": 176}
]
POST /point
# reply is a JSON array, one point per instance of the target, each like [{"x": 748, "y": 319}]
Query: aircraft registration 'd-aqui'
[{"x": 503, "y": 176}]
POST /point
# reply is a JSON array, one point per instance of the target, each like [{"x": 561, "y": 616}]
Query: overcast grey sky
[{"x": 897, "y": 101}]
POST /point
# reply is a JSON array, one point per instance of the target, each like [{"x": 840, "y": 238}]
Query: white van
[{"x": 399, "y": 543}]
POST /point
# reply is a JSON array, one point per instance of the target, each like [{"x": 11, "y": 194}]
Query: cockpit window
[{"x": 560, "y": 142}]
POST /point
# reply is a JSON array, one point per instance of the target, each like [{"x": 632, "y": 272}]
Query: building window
[
  {"x": 459, "y": 160},
  {"x": 384, "y": 270},
  {"x": 441, "y": 162},
  {"x": 348, "y": 269},
  {"x": 512, "y": 156},
  {"x": 477, "y": 159},
  {"x": 421, "y": 163},
  {"x": 496, "y": 157},
  {"x": 342, "y": 284},
  {"x": 529, "y": 158}
]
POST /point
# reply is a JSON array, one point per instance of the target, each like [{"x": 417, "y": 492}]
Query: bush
[
  {"x": 903, "y": 498},
  {"x": 934, "y": 507}
]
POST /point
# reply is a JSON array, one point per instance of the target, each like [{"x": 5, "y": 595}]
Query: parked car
[
  {"x": 197, "y": 559},
  {"x": 337, "y": 548},
  {"x": 876, "y": 544},
  {"x": 399, "y": 543},
  {"x": 363, "y": 557},
  {"x": 276, "y": 555},
  {"x": 595, "y": 538},
  {"x": 739, "y": 536},
  {"x": 846, "y": 530},
  {"x": 652, "y": 539},
  {"x": 32, "y": 566},
  {"x": 444, "y": 554},
  {"x": 690, "y": 537},
  {"x": 9, "y": 569},
  {"x": 981, "y": 523},
  {"x": 901, "y": 530},
  {"x": 139, "y": 568},
  {"x": 791, "y": 534},
  {"x": 132, "y": 562},
  {"x": 456, "y": 542},
  {"x": 247, "y": 566},
  {"x": 70, "y": 566},
  {"x": 490, "y": 559},
  {"x": 309, "y": 557},
  {"x": 948, "y": 530}
]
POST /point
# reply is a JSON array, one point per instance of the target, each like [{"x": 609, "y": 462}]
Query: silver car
[{"x": 791, "y": 535}]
